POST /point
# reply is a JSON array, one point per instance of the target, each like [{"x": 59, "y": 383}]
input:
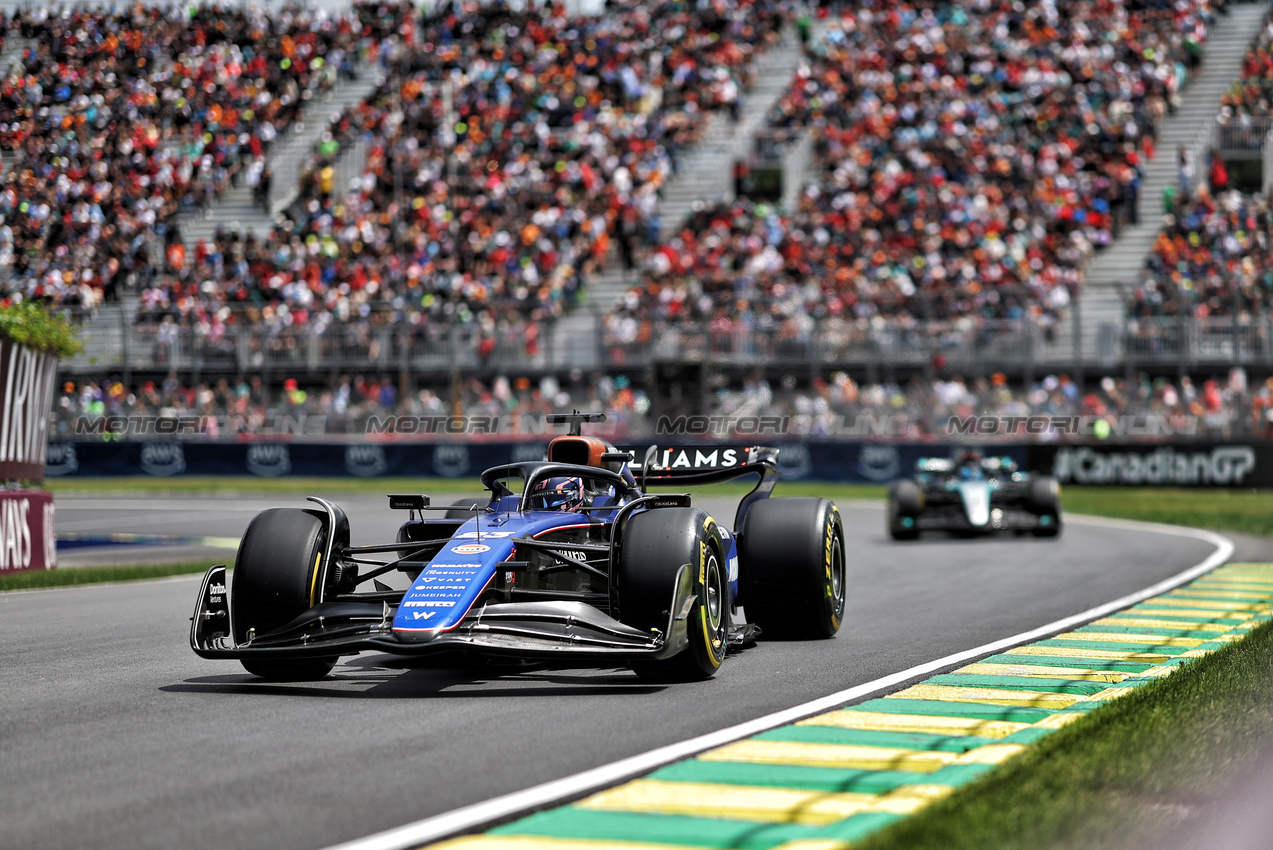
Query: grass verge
[
  {"x": 469, "y": 485},
  {"x": 1122, "y": 777},
  {"x": 1246, "y": 511},
  {"x": 96, "y": 575}
]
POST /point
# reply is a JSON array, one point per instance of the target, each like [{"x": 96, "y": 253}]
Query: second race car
[{"x": 973, "y": 494}]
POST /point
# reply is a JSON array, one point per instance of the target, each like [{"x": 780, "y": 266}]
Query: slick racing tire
[
  {"x": 905, "y": 502},
  {"x": 791, "y": 559},
  {"x": 460, "y": 509},
  {"x": 276, "y": 577},
  {"x": 1045, "y": 500},
  {"x": 656, "y": 544}
]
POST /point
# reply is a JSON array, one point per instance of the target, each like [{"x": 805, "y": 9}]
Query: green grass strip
[
  {"x": 70, "y": 576},
  {"x": 1106, "y": 780},
  {"x": 1248, "y": 511}
]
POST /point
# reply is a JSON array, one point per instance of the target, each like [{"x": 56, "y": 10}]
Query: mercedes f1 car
[
  {"x": 972, "y": 495},
  {"x": 568, "y": 558}
]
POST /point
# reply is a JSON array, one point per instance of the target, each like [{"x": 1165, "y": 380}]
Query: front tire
[
  {"x": 276, "y": 579},
  {"x": 905, "y": 502},
  {"x": 793, "y": 567},
  {"x": 656, "y": 544},
  {"x": 1045, "y": 500}
]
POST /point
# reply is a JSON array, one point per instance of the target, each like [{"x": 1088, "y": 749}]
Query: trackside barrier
[{"x": 1178, "y": 465}]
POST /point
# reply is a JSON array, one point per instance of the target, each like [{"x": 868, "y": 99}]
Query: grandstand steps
[
  {"x": 291, "y": 153},
  {"x": 1114, "y": 272},
  {"x": 106, "y": 337},
  {"x": 705, "y": 174},
  {"x": 706, "y": 170}
]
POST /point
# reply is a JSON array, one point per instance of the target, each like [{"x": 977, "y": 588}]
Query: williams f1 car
[
  {"x": 569, "y": 558},
  {"x": 973, "y": 495}
]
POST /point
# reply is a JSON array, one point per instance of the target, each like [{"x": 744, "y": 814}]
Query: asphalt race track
[{"x": 115, "y": 734}]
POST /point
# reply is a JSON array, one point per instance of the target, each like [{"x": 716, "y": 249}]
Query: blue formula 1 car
[
  {"x": 569, "y": 558},
  {"x": 973, "y": 495}
]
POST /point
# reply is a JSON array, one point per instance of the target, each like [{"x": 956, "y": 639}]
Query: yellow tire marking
[
  {"x": 1036, "y": 671},
  {"x": 737, "y": 802},
  {"x": 313, "y": 582},
  {"x": 927, "y": 724},
  {"x": 988, "y": 696},
  {"x": 831, "y": 755}
]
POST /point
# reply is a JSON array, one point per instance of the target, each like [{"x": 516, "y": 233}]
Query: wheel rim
[
  {"x": 715, "y": 597},
  {"x": 837, "y": 576}
]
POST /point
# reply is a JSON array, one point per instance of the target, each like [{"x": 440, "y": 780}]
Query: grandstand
[{"x": 465, "y": 191}]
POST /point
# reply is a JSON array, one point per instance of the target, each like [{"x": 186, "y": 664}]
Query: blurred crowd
[
  {"x": 969, "y": 158},
  {"x": 349, "y": 406},
  {"x": 112, "y": 122},
  {"x": 1136, "y": 408},
  {"x": 508, "y": 153},
  {"x": 1129, "y": 408}
]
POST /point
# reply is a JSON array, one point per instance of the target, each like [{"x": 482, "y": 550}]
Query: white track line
[{"x": 501, "y": 808}]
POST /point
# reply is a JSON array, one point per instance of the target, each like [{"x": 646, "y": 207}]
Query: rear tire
[
  {"x": 905, "y": 502},
  {"x": 465, "y": 504},
  {"x": 792, "y": 560},
  {"x": 655, "y": 545},
  {"x": 276, "y": 575},
  {"x": 1045, "y": 500}
]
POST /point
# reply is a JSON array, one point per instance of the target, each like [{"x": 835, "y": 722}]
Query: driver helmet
[
  {"x": 557, "y": 494},
  {"x": 970, "y": 465}
]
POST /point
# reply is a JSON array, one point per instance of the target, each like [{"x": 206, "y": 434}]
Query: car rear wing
[{"x": 676, "y": 466}]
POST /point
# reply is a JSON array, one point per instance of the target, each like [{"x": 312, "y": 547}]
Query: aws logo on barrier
[
  {"x": 879, "y": 463},
  {"x": 162, "y": 459},
  {"x": 365, "y": 461},
  {"x": 451, "y": 461},
  {"x": 269, "y": 460},
  {"x": 794, "y": 461},
  {"x": 529, "y": 451},
  {"x": 62, "y": 459}
]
